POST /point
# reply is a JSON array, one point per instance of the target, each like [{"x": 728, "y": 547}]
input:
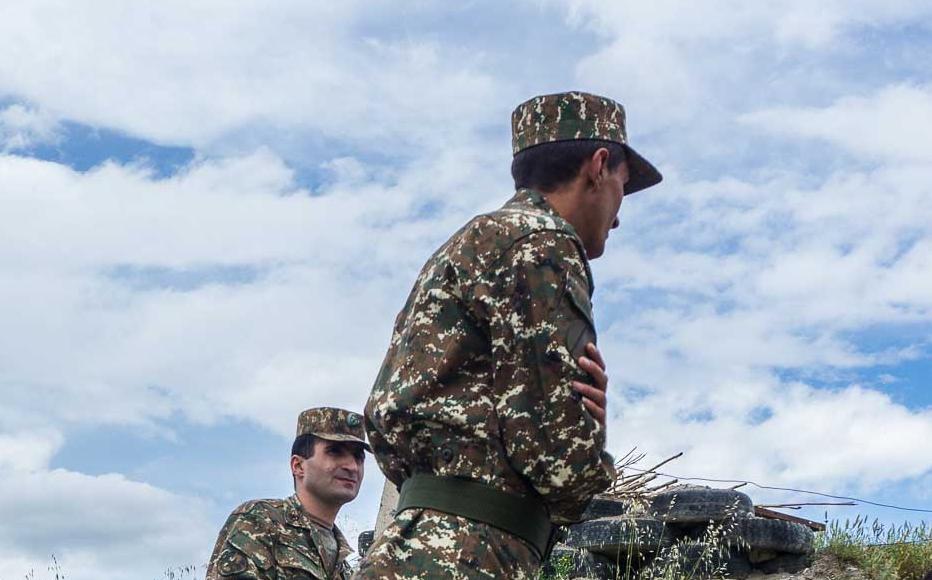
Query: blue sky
[{"x": 210, "y": 214}]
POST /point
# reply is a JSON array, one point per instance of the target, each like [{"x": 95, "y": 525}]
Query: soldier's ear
[
  {"x": 596, "y": 166},
  {"x": 297, "y": 466}
]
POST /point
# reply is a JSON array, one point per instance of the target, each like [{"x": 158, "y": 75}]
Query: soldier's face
[
  {"x": 333, "y": 473},
  {"x": 603, "y": 212}
]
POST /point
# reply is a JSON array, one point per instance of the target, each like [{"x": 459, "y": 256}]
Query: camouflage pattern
[
  {"x": 565, "y": 117},
  {"x": 423, "y": 543},
  {"x": 576, "y": 115},
  {"x": 272, "y": 539},
  {"x": 477, "y": 383},
  {"x": 332, "y": 424}
]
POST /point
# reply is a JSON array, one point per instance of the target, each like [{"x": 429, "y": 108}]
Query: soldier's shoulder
[
  {"x": 260, "y": 509},
  {"x": 503, "y": 228},
  {"x": 521, "y": 221}
]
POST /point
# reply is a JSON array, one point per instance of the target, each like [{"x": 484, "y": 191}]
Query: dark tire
[
  {"x": 775, "y": 535},
  {"x": 365, "y": 542},
  {"x": 616, "y": 537},
  {"x": 790, "y": 563},
  {"x": 700, "y": 505},
  {"x": 604, "y": 507},
  {"x": 578, "y": 563},
  {"x": 698, "y": 561}
]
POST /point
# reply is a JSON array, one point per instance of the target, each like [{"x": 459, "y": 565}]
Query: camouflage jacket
[
  {"x": 273, "y": 539},
  {"x": 476, "y": 381}
]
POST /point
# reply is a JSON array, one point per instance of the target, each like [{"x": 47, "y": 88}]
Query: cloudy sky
[{"x": 211, "y": 212}]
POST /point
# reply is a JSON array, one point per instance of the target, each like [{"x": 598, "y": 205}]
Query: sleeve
[
  {"x": 230, "y": 560},
  {"x": 385, "y": 453},
  {"x": 540, "y": 323}
]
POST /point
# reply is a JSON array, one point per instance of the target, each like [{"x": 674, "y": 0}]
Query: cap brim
[
  {"x": 641, "y": 173},
  {"x": 343, "y": 437}
]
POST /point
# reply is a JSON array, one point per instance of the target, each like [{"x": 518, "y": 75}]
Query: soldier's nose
[{"x": 616, "y": 222}]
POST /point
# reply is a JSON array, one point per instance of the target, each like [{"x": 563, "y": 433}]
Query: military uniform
[
  {"x": 277, "y": 539},
  {"x": 473, "y": 415}
]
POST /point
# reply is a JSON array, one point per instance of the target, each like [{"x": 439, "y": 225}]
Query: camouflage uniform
[
  {"x": 477, "y": 379},
  {"x": 277, "y": 539}
]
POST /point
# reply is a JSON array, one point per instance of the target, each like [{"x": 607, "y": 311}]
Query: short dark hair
[
  {"x": 547, "y": 166},
  {"x": 303, "y": 445}
]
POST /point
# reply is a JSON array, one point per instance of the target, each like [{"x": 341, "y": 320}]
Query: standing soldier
[
  {"x": 295, "y": 538},
  {"x": 479, "y": 413}
]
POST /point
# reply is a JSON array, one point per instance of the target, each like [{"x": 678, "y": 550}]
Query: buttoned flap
[
  {"x": 230, "y": 562},
  {"x": 247, "y": 542},
  {"x": 288, "y": 556},
  {"x": 581, "y": 331}
]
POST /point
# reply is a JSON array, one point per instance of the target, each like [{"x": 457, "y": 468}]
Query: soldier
[
  {"x": 295, "y": 538},
  {"x": 479, "y": 413}
]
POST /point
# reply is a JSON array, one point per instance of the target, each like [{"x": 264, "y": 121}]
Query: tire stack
[{"x": 617, "y": 540}]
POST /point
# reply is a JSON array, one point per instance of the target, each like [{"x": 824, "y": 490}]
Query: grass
[
  {"x": 692, "y": 559},
  {"x": 55, "y": 572},
  {"x": 883, "y": 552}
]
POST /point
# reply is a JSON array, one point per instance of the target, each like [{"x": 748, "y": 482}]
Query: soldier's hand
[{"x": 593, "y": 395}]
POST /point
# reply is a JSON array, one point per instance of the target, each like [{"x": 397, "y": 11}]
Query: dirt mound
[{"x": 824, "y": 567}]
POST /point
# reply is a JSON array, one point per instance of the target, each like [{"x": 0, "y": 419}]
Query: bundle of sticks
[{"x": 643, "y": 482}]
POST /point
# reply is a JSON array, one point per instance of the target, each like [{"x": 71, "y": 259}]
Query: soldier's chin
[
  {"x": 596, "y": 250},
  {"x": 347, "y": 491}
]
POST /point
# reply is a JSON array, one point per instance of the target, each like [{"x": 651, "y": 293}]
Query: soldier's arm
[{"x": 541, "y": 323}]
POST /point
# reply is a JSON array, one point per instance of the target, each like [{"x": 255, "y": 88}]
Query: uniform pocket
[
  {"x": 257, "y": 551},
  {"x": 231, "y": 562},
  {"x": 299, "y": 563}
]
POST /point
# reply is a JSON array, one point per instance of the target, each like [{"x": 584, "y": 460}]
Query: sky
[{"x": 211, "y": 212}]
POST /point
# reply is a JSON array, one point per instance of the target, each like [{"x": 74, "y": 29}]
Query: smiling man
[
  {"x": 296, "y": 538},
  {"x": 489, "y": 410}
]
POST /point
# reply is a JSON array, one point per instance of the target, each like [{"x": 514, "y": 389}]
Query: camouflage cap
[
  {"x": 576, "y": 116},
  {"x": 332, "y": 424}
]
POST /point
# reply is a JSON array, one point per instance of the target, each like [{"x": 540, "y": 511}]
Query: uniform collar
[
  {"x": 297, "y": 516},
  {"x": 530, "y": 199},
  {"x": 525, "y": 197}
]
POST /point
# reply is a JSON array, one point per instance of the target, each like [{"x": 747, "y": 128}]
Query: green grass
[{"x": 901, "y": 552}]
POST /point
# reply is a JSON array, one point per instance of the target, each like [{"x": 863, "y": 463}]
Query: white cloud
[
  {"x": 727, "y": 297},
  {"x": 22, "y": 128},
  {"x": 739, "y": 422},
  {"x": 27, "y": 451},
  {"x": 212, "y": 75},
  {"x": 306, "y": 280},
  {"x": 73, "y": 516},
  {"x": 894, "y": 124},
  {"x": 688, "y": 70},
  {"x": 789, "y": 22}
]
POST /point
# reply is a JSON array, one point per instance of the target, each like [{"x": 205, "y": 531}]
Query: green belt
[{"x": 525, "y": 517}]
